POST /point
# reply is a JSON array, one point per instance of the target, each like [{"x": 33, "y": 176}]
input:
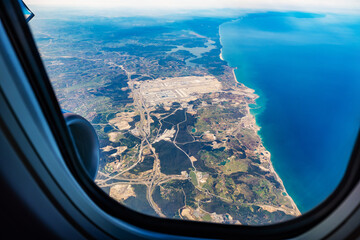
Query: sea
[{"x": 305, "y": 67}]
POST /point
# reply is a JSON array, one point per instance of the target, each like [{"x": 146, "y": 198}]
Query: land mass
[{"x": 177, "y": 136}]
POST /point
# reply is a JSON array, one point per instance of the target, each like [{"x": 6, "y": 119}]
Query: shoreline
[
  {"x": 296, "y": 212},
  {"x": 262, "y": 149}
]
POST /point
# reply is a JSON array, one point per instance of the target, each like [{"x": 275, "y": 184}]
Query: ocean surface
[{"x": 306, "y": 70}]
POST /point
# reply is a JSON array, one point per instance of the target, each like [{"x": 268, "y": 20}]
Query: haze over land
[{"x": 167, "y": 6}]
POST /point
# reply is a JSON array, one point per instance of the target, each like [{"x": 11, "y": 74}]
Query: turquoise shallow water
[{"x": 306, "y": 70}]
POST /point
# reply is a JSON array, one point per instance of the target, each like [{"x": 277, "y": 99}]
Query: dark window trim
[
  {"x": 23, "y": 155},
  {"x": 26, "y": 50}
]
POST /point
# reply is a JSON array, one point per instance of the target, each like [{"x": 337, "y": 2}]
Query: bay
[{"x": 306, "y": 70}]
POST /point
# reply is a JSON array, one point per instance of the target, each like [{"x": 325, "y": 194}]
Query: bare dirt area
[{"x": 122, "y": 192}]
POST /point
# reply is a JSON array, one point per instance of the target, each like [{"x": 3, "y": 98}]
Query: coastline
[
  {"x": 267, "y": 158},
  {"x": 294, "y": 211}
]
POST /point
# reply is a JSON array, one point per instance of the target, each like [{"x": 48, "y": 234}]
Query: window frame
[{"x": 29, "y": 57}]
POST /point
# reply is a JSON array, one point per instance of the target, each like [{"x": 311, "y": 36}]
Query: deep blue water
[{"x": 306, "y": 70}]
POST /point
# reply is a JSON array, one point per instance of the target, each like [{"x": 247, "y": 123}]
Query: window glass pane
[{"x": 210, "y": 112}]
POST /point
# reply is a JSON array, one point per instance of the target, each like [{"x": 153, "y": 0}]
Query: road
[{"x": 155, "y": 177}]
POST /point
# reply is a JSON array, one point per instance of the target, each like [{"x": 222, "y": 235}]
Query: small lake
[{"x": 197, "y": 51}]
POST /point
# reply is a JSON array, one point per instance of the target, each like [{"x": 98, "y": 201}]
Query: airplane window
[{"x": 209, "y": 111}]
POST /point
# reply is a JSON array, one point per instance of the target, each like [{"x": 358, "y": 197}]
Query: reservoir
[{"x": 306, "y": 70}]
